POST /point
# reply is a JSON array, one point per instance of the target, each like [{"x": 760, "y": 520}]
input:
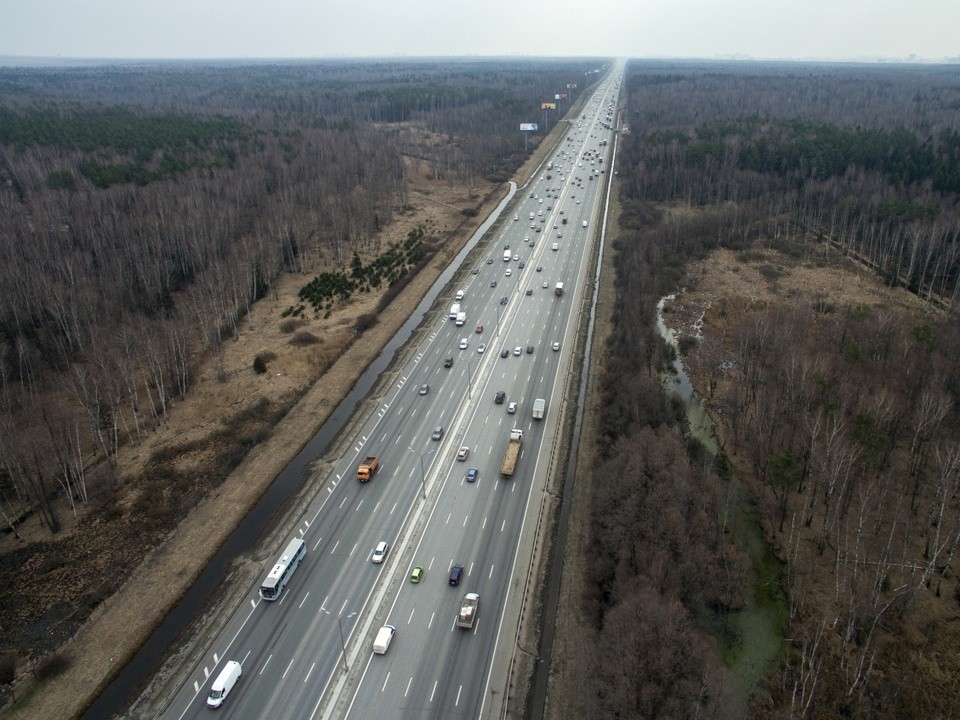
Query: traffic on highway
[{"x": 399, "y": 592}]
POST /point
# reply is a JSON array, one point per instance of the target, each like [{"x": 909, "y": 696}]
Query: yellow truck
[
  {"x": 367, "y": 467},
  {"x": 512, "y": 453}
]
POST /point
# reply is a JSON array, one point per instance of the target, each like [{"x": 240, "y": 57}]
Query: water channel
[
  {"x": 121, "y": 690},
  {"x": 754, "y": 634}
]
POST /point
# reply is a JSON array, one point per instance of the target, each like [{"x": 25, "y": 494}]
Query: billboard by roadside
[{"x": 529, "y": 127}]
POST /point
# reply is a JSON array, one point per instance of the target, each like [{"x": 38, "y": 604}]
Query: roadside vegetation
[
  {"x": 144, "y": 211},
  {"x": 839, "y": 416}
]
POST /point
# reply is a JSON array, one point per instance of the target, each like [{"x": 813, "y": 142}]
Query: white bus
[{"x": 286, "y": 565}]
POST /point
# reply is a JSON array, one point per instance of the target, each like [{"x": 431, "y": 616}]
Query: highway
[{"x": 292, "y": 650}]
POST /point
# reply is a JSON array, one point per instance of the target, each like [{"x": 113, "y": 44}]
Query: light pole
[
  {"x": 343, "y": 641},
  {"x": 423, "y": 475}
]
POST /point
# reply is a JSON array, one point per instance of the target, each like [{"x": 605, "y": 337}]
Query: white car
[
  {"x": 511, "y": 408},
  {"x": 462, "y": 453},
  {"x": 380, "y": 552},
  {"x": 556, "y": 346},
  {"x": 463, "y": 344},
  {"x": 517, "y": 350},
  {"x": 481, "y": 347},
  {"x": 508, "y": 273},
  {"x": 544, "y": 286}
]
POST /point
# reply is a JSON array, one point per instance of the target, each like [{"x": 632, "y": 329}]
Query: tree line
[{"x": 844, "y": 420}]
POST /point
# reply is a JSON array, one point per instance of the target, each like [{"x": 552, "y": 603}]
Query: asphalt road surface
[{"x": 292, "y": 650}]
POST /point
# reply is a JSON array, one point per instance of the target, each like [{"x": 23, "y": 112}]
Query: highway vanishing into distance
[{"x": 310, "y": 653}]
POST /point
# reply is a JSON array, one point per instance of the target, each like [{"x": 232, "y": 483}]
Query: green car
[{"x": 416, "y": 575}]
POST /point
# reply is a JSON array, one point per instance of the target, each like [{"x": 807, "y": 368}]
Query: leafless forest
[
  {"x": 843, "y": 421},
  {"x": 143, "y": 209}
]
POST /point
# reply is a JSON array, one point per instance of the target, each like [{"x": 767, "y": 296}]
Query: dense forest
[
  {"x": 145, "y": 208},
  {"x": 842, "y": 421}
]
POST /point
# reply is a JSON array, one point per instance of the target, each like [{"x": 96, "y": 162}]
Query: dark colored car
[
  {"x": 500, "y": 397},
  {"x": 456, "y": 572},
  {"x": 448, "y": 362},
  {"x": 504, "y": 353},
  {"x": 472, "y": 475}
]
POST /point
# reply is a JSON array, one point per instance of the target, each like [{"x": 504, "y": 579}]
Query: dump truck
[
  {"x": 468, "y": 610},
  {"x": 367, "y": 467},
  {"x": 539, "y": 406},
  {"x": 512, "y": 454}
]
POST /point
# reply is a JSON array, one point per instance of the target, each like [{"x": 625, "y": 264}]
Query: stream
[{"x": 753, "y": 636}]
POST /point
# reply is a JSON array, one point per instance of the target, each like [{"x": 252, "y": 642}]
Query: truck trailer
[
  {"x": 539, "y": 407},
  {"x": 468, "y": 611},
  {"x": 512, "y": 453}
]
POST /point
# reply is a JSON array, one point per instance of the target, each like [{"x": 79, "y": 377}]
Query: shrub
[
  {"x": 51, "y": 666},
  {"x": 303, "y": 338},
  {"x": 259, "y": 365},
  {"x": 365, "y": 322},
  {"x": 8, "y": 664}
]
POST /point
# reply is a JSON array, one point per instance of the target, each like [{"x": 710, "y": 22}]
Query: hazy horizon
[{"x": 818, "y": 30}]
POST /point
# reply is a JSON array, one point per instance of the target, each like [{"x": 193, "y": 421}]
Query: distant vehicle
[
  {"x": 584, "y": 223},
  {"x": 468, "y": 610},
  {"x": 509, "y": 272},
  {"x": 544, "y": 286},
  {"x": 517, "y": 350},
  {"x": 472, "y": 475},
  {"x": 516, "y": 257},
  {"x": 463, "y": 344},
  {"x": 448, "y": 362},
  {"x": 380, "y": 552},
  {"x": 369, "y": 465},
  {"x": 555, "y": 246},
  {"x": 384, "y": 637},
  {"x": 504, "y": 353},
  {"x": 461, "y": 319},
  {"x": 478, "y": 329},
  {"x": 529, "y": 291},
  {"x": 493, "y": 283},
  {"x": 516, "y": 217},
  {"x": 424, "y": 389},
  {"x": 489, "y": 261},
  {"x": 558, "y": 290},
  {"x": 456, "y": 572},
  {"x": 512, "y": 453},
  {"x": 283, "y": 570},
  {"x": 511, "y": 408},
  {"x": 539, "y": 268},
  {"x": 462, "y": 453},
  {"x": 522, "y": 265},
  {"x": 437, "y": 433},
  {"x": 499, "y": 397},
  {"x": 475, "y": 271},
  {"x": 459, "y": 295},
  {"x": 416, "y": 575},
  {"x": 503, "y": 300},
  {"x": 481, "y": 348},
  {"x": 556, "y": 346},
  {"x": 454, "y": 311}
]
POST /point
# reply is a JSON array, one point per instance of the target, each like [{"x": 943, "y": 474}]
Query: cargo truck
[
  {"x": 539, "y": 406},
  {"x": 512, "y": 454},
  {"x": 558, "y": 290},
  {"x": 461, "y": 319},
  {"x": 454, "y": 309},
  {"x": 506, "y": 256},
  {"x": 367, "y": 467},
  {"x": 468, "y": 610}
]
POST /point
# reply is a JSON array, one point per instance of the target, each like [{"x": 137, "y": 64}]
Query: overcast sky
[{"x": 795, "y": 29}]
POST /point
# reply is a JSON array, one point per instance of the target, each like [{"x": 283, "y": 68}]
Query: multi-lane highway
[{"x": 420, "y": 502}]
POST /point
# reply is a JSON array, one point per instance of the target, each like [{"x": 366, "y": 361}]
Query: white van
[
  {"x": 459, "y": 296},
  {"x": 384, "y": 637},
  {"x": 556, "y": 246},
  {"x": 224, "y": 684},
  {"x": 454, "y": 311},
  {"x": 460, "y": 319}
]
